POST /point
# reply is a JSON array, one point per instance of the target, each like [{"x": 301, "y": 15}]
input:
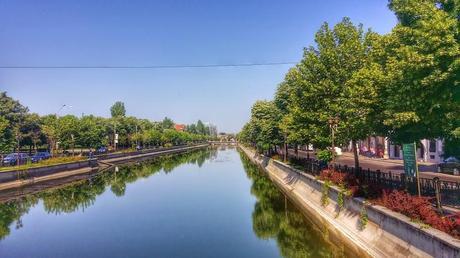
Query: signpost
[{"x": 410, "y": 163}]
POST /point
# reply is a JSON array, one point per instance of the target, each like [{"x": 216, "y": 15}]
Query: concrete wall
[
  {"x": 387, "y": 234},
  {"x": 13, "y": 175}
]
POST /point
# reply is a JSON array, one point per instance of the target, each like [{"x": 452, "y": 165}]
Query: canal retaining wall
[
  {"x": 19, "y": 174},
  {"x": 16, "y": 178},
  {"x": 386, "y": 234}
]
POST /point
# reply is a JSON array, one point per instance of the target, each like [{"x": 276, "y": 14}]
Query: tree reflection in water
[
  {"x": 82, "y": 194},
  {"x": 274, "y": 217}
]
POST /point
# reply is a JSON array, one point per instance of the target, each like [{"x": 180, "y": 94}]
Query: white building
[{"x": 381, "y": 147}]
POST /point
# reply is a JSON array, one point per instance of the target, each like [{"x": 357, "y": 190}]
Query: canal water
[{"x": 205, "y": 203}]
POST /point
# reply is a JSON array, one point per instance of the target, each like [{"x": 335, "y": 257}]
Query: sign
[{"x": 410, "y": 159}]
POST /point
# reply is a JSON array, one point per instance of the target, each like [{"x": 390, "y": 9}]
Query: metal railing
[{"x": 449, "y": 190}]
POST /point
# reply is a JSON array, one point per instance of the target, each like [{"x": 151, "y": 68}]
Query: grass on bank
[{"x": 43, "y": 163}]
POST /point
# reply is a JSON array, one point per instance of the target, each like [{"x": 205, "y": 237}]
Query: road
[{"x": 427, "y": 170}]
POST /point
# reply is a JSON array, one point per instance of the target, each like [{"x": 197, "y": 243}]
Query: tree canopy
[
  {"x": 402, "y": 85},
  {"x": 118, "y": 109}
]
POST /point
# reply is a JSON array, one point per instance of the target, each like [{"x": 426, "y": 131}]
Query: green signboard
[{"x": 410, "y": 159}]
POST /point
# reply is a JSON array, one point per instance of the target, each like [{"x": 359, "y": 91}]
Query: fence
[{"x": 449, "y": 190}]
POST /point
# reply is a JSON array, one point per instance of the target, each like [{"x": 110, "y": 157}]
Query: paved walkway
[{"x": 427, "y": 170}]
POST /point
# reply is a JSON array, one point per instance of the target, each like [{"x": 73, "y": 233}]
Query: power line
[{"x": 150, "y": 66}]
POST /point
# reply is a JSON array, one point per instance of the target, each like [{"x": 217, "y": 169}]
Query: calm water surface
[{"x": 207, "y": 203}]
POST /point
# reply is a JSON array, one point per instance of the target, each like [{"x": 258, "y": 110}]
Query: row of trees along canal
[
  {"x": 403, "y": 85},
  {"x": 19, "y": 129}
]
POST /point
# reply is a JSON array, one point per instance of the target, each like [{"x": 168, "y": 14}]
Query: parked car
[
  {"x": 41, "y": 155},
  {"x": 12, "y": 158},
  {"x": 450, "y": 165},
  {"x": 102, "y": 150},
  {"x": 451, "y": 160}
]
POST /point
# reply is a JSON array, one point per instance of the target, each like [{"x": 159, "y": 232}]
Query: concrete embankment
[
  {"x": 386, "y": 234},
  {"x": 19, "y": 178}
]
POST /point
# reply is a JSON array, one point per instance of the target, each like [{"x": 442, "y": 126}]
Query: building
[
  {"x": 179, "y": 127},
  {"x": 381, "y": 147}
]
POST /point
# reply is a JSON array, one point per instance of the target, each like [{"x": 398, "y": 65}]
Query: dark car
[
  {"x": 12, "y": 158},
  {"x": 450, "y": 165},
  {"x": 40, "y": 156},
  {"x": 451, "y": 160},
  {"x": 102, "y": 150}
]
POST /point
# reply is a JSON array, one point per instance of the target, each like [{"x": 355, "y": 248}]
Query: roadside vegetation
[{"x": 66, "y": 135}]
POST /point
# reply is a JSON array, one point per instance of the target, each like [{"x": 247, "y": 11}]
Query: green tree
[
  {"x": 200, "y": 128},
  {"x": 92, "y": 132},
  {"x": 31, "y": 131},
  {"x": 51, "y": 131},
  {"x": 118, "y": 109},
  {"x": 265, "y": 118},
  {"x": 325, "y": 87},
  {"x": 14, "y": 113},
  {"x": 69, "y": 130},
  {"x": 167, "y": 123},
  {"x": 5, "y": 143},
  {"x": 421, "y": 65},
  {"x": 192, "y": 128}
]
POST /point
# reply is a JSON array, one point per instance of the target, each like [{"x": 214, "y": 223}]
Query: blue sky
[{"x": 143, "y": 33}]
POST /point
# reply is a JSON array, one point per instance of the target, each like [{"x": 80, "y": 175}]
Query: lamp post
[{"x": 333, "y": 123}]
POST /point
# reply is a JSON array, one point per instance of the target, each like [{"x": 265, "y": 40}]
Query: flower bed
[{"x": 417, "y": 208}]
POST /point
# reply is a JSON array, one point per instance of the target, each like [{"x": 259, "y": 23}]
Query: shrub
[
  {"x": 417, "y": 208},
  {"x": 333, "y": 176},
  {"x": 420, "y": 209},
  {"x": 325, "y": 155}
]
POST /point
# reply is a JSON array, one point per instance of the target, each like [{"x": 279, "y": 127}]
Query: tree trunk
[
  {"x": 355, "y": 153},
  {"x": 296, "y": 151},
  {"x": 285, "y": 151}
]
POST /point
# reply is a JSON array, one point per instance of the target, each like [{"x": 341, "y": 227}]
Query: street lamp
[
  {"x": 62, "y": 107},
  {"x": 333, "y": 123}
]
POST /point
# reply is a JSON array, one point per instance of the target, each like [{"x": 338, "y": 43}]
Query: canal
[{"x": 205, "y": 203}]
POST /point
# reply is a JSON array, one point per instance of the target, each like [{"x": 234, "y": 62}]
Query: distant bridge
[{"x": 232, "y": 143}]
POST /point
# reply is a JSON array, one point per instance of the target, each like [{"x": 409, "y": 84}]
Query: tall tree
[
  {"x": 266, "y": 118},
  {"x": 50, "y": 128},
  {"x": 118, "y": 109},
  {"x": 322, "y": 95},
  {"x": 422, "y": 62},
  {"x": 13, "y": 112},
  {"x": 200, "y": 128},
  {"x": 167, "y": 123}
]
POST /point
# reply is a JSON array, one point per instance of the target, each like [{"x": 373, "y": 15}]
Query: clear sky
[{"x": 146, "y": 33}]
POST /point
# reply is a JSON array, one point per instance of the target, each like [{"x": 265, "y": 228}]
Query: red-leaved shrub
[
  {"x": 353, "y": 184},
  {"x": 333, "y": 176},
  {"x": 419, "y": 208}
]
